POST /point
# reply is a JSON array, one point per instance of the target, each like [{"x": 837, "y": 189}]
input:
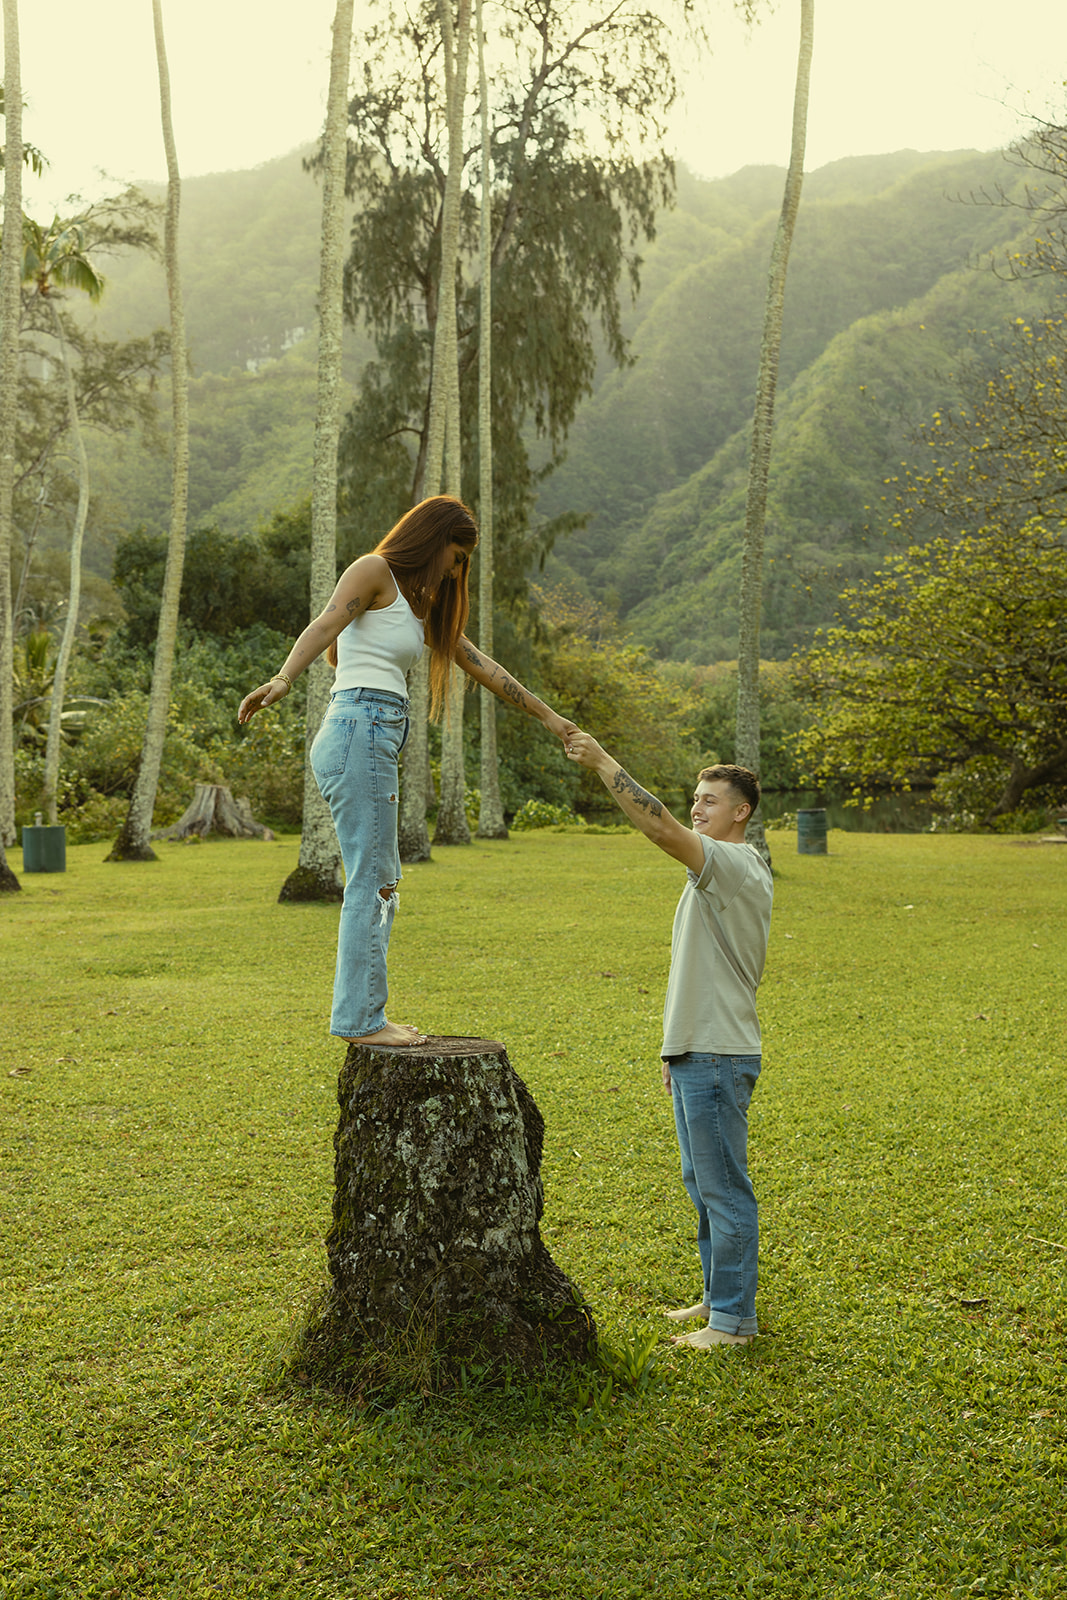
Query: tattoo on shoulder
[{"x": 622, "y": 783}]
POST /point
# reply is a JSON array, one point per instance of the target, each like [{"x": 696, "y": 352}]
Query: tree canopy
[
  {"x": 952, "y": 667},
  {"x": 578, "y": 99}
]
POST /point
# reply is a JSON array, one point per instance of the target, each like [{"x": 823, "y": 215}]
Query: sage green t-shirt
[{"x": 718, "y": 948}]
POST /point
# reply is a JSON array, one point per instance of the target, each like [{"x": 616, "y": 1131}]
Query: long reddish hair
[{"x": 415, "y": 550}]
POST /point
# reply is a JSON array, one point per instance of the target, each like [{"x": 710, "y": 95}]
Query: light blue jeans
[
  {"x": 711, "y": 1096},
  {"x": 354, "y": 759}
]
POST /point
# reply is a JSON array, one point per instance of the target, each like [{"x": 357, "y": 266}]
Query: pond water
[{"x": 899, "y": 813}]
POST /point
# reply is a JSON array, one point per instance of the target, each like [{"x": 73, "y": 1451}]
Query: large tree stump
[
  {"x": 435, "y": 1253},
  {"x": 213, "y": 809}
]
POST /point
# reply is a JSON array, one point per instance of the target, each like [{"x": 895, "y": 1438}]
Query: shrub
[
  {"x": 542, "y": 814},
  {"x": 267, "y": 764}
]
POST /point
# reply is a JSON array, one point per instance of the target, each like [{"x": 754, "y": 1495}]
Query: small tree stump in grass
[
  {"x": 213, "y": 809},
  {"x": 435, "y": 1254}
]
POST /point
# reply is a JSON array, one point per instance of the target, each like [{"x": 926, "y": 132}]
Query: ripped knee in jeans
[{"x": 386, "y": 893}]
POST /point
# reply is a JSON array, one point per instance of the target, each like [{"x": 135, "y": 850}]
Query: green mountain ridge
[
  {"x": 887, "y": 295},
  {"x": 657, "y": 457}
]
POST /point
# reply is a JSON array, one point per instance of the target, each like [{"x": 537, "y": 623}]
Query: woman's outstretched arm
[
  {"x": 357, "y": 589},
  {"x": 491, "y": 675}
]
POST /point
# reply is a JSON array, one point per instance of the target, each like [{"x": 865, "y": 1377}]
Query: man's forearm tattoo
[{"x": 622, "y": 783}]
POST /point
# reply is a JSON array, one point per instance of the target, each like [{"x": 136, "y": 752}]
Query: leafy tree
[
  {"x": 713, "y": 690},
  {"x": 229, "y": 582},
  {"x": 567, "y": 212},
  {"x": 1041, "y": 155},
  {"x": 114, "y": 384},
  {"x": 952, "y": 665},
  {"x": 601, "y": 679},
  {"x": 748, "y": 702},
  {"x": 999, "y": 457}
]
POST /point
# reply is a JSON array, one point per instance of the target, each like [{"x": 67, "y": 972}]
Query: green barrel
[
  {"x": 811, "y": 831},
  {"x": 44, "y": 849}
]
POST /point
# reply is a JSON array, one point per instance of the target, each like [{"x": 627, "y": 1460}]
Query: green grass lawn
[{"x": 167, "y": 1106}]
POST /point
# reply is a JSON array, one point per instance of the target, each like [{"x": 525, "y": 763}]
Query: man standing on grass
[{"x": 711, "y": 1038}]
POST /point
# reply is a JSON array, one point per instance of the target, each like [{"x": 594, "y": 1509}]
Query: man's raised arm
[{"x": 642, "y": 808}]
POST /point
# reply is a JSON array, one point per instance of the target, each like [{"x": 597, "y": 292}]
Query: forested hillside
[{"x": 889, "y": 288}]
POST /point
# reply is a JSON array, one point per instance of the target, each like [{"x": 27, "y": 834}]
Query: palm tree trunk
[
  {"x": 70, "y": 629},
  {"x": 452, "y": 827},
  {"x": 747, "y": 743},
  {"x": 318, "y": 874},
  {"x": 10, "y": 311},
  {"x": 491, "y": 824},
  {"x": 456, "y": 50},
  {"x": 132, "y": 843}
]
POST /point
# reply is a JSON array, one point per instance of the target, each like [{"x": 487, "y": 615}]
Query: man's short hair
[{"x": 740, "y": 779}]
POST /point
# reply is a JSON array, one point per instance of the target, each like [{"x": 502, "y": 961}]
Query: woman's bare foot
[
  {"x": 708, "y": 1338},
  {"x": 690, "y": 1313},
  {"x": 394, "y": 1034}
]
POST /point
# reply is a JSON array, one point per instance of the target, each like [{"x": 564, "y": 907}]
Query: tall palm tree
[
  {"x": 132, "y": 843},
  {"x": 55, "y": 258},
  {"x": 318, "y": 874},
  {"x": 10, "y": 311},
  {"x": 452, "y": 825},
  {"x": 747, "y": 743},
  {"x": 491, "y": 824}
]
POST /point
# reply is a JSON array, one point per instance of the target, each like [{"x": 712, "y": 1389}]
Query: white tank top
[{"x": 378, "y": 649}]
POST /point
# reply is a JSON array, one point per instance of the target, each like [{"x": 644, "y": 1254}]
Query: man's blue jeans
[
  {"x": 354, "y": 759},
  {"x": 711, "y": 1096}
]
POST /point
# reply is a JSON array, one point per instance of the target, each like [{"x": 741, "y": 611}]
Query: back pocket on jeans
[{"x": 329, "y": 753}]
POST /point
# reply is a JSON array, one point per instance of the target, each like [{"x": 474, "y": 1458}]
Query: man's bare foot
[
  {"x": 394, "y": 1034},
  {"x": 689, "y": 1313},
  {"x": 707, "y": 1338}
]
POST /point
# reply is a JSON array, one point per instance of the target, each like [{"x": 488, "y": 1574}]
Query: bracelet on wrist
[{"x": 283, "y": 677}]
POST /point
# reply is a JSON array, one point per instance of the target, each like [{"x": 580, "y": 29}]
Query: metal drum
[{"x": 811, "y": 831}]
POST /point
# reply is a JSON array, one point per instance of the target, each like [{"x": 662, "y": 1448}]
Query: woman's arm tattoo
[
  {"x": 622, "y": 783},
  {"x": 514, "y": 691}
]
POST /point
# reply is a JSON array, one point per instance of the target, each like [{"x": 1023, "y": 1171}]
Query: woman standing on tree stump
[{"x": 409, "y": 591}]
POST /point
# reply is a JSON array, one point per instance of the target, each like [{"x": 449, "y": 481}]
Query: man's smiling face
[{"x": 716, "y": 809}]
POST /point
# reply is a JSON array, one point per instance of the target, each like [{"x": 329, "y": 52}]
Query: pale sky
[{"x": 249, "y": 83}]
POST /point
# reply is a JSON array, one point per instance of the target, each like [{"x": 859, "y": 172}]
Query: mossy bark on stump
[{"x": 435, "y": 1245}]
